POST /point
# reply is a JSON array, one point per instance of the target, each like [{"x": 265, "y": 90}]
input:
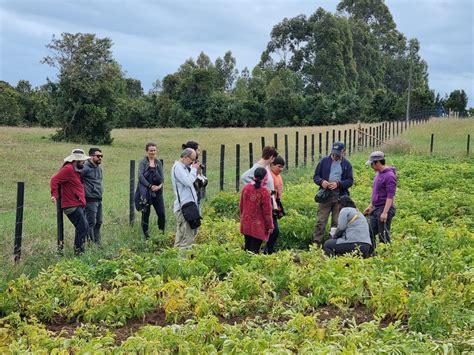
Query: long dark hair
[
  {"x": 346, "y": 201},
  {"x": 258, "y": 175}
]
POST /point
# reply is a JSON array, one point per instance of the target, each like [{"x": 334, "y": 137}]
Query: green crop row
[{"x": 219, "y": 298}]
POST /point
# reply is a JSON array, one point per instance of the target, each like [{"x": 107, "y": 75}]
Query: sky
[{"x": 152, "y": 38}]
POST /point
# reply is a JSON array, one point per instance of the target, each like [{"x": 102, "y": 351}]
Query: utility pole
[{"x": 409, "y": 84}]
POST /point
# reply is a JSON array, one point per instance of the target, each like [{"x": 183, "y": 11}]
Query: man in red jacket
[{"x": 73, "y": 200}]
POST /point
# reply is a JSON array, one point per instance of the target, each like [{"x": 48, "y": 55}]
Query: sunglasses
[{"x": 98, "y": 156}]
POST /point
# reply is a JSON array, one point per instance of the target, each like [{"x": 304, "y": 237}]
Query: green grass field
[{"x": 27, "y": 154}]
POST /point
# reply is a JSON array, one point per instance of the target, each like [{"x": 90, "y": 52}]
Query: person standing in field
[
  {"x": 150, "y": 189},
  {"x": 276, "y": 169},
  {"x": 183, "y": 176},
  {"x": 333, "y": 173},
  {"x": 92, "y": 178},
  {"x": 269, "y": 154},
  {"x": 201, "y": 181},
  {"x": 352, "y": 232},
  {"x": 73, "y": 199},
  {"x": 256, "y": 220},
  {"x": 381, "y": 209}
]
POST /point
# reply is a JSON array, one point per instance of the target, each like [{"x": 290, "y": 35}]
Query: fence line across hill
[{"x": 357, "y": 139}]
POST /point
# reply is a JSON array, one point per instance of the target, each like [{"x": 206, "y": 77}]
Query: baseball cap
[
  {"x": 337, "y": 148},
  {"x": 375, "y": 156}
]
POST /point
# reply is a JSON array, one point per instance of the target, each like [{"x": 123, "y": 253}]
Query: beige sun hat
[{"x": 76, "y": 154}]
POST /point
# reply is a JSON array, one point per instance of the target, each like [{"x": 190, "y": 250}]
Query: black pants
[
  {"x": 252, "y": 244},
  {"x": 159, "y": 205},
  {"x": 331, "y": 248},
  {"x": 94, "y": 218},
  {"x": 79, "y": 220},
  {"x": 270, "y": 245},
  {"x": 378, "y": 227}
]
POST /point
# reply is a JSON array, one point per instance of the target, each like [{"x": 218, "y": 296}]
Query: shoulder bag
[{"x": 190, "y": 210}]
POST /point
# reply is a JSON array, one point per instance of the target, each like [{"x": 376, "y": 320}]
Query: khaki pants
[
  {"x": 324, "y": 209},
  {"x": 184, "y": 234}
]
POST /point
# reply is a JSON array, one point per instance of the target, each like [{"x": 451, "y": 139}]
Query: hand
[
  {"x": 53, "y": 199},
  {"x": 332, "y": 185},
  {"x": 325, "y": 184},
  {"x": 383, "y": 217},
  {"x": 367, "y": 210},
  {"x": 154, "y": 188},
  {"x": 270, "y": 231},
  {"x": 195, "y": 165}
]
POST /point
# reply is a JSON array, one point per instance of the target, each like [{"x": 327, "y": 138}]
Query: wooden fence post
[
  {"x": 320, "y": 144},
  {"x": 468, "y": 143},
  {"x": 20, "y": 199},
  {"x": 312, "y": 147},
  {"x": 275, "y": 140},
  {"x": 305, "y": 149},
  {"x": 431, "y": 144},
  {"x": 237, "y": 167},
  {"x": 250, "y": 155},
  {"x": 263, "y": 142},
  {"x": 327, "y": 142},
  {"x": 60, "y": 223},
  {"x": 131, "y": 202},
  {"x": 204, "y": 171},
  {"x": 221, "y": 175},
  {"x": 350, "y": 141},
  {"x": 296, "y": 147},
  {"x": 286, "y": 153}
]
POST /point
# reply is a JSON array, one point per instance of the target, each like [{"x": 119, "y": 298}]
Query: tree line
[{"x": 322, "y": 69}]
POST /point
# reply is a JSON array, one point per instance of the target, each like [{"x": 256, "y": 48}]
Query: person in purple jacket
[{"x": 381, "y": 209}]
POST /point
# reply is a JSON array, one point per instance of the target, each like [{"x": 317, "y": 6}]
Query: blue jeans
[
  {"x": 79, "y": 220},
  {"x": 379, "y": 228}
]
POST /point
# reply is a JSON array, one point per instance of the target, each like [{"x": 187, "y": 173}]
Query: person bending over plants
[
  {"x": 256, "y": 221},
  {"x": 352, "y": 232}
]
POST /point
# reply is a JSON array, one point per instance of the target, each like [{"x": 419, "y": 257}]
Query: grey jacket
[
  {"x": 352, "y": 227},
  {"x": 182, "y": 180},
  {"x": 248, "y": 175},
  {"x": 92, "y": 178}
]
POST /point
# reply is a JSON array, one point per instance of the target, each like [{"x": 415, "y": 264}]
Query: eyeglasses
[{"x": 98, "y": 156}]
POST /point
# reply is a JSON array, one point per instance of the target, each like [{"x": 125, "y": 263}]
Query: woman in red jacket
[{"x": 256, "y": 222}]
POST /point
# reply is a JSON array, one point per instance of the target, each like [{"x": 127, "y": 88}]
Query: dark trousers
[
  {"x": 252, "y": 244},
  {"x": 94, "y": 219},
  {"x": 159, "y": 205},
  {"x": 79, "y": 220},
  {"x": 324, "y": 209},
  {"x": 331, "y": 248},
  {"x": 270, "y": 245},
  {"x": 378, "y": 227}
]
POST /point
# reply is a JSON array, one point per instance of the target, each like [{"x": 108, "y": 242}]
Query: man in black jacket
[
  {"x": 91, "y": 176},
  {"x": 333, "y": 173}
]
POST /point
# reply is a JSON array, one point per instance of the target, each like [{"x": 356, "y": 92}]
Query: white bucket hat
[{"x": 76, "y": 154}]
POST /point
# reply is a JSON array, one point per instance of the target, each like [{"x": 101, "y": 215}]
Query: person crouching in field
[
  {"x": 92, "y": 177},
  {"x": 352, "y": 232},
  {"x": 276, "y": 168},
  {"x": 73, "y": 199},
  {"x": 256, "y": 220}
]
